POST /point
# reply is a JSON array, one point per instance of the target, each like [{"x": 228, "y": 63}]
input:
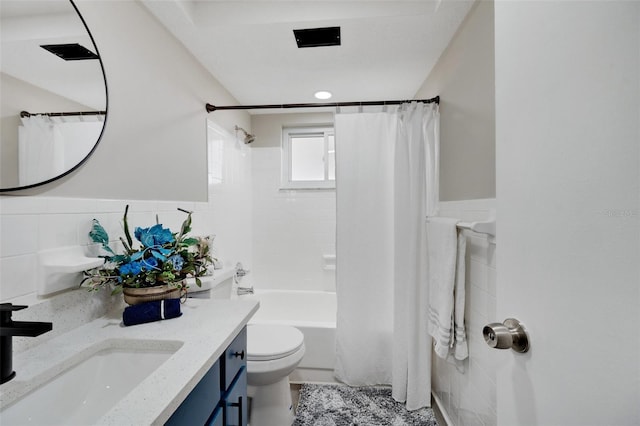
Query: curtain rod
[
  {"x": 211, "y": 108},
  {"x": 25, "y": 114}
]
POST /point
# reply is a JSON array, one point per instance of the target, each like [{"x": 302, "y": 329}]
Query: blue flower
[
  {"x": 133, "y": 268},
  {"x": 176, "y": 261},
  {"x": 154, "y": 236},
  {"x": 149, "y": 264}
]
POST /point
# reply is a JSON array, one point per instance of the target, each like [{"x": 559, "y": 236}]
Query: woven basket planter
[{"x": 135, "y": 296}]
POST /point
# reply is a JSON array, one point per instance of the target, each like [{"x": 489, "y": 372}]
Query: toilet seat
[{"x": 272, "y": 342}]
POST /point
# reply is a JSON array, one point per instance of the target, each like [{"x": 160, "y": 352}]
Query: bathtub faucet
[
  {"x": 245, "y": 290},
  {"x": 237, "y": 277},
  {"x": 240, "y": 271}
]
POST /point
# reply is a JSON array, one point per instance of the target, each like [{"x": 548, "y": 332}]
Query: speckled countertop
[{"x": 202, "y": 333}]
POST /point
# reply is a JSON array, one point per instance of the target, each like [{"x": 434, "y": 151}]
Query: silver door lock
[{"x": 508, "y": 335}]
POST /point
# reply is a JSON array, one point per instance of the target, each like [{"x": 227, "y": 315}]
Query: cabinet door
[
  {"x": 196, "y": 409},
  {"x": 234, "y": 359},
  {"x": 217, "y": 419},
  {"x": 235, "y": 402}
]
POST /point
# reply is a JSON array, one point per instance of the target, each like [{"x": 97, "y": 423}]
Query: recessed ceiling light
[{"x": 323, "y": 94}]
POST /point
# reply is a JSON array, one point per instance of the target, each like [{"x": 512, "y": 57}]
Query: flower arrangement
[{"x": 162, "y": 258}]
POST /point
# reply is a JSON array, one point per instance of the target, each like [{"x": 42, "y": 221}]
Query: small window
[{"x": 308, "y": 158}]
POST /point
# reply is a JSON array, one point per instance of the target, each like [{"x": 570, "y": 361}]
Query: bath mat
[{"x": 341, "y": 405}]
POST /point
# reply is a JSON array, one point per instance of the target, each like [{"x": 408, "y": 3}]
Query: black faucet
[{"x": 10, "y": 328}]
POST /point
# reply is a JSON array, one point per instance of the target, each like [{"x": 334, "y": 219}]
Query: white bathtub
[{"x": 313, "y": 313}]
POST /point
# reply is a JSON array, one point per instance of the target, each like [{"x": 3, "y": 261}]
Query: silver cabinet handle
[{"x": 508, "y": 335}]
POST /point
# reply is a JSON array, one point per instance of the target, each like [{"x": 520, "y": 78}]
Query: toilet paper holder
[{"x": 508, "y": 335}]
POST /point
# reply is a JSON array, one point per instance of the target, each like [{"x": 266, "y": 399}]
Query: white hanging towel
[{"x": 446, "y": 256}]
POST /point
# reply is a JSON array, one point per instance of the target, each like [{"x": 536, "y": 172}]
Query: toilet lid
[{"x": 268, "y": 342}]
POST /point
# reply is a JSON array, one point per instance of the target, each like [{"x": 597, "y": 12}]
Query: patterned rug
[{"x": 341, "y": 405}]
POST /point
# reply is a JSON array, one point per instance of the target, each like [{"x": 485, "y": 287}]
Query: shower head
[{"x": 248, "y": 137}]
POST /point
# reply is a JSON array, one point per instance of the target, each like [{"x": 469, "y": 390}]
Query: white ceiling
[{"x": 388, "y": 47}]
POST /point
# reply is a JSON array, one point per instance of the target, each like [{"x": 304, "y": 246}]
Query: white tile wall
[
  {"x": 29, "y": 224},
  {"x": 230, "y": 202},
  {"x": 58, "y": 222},
  {"x": 292, "y": 230},
  {"x": 467, "y": 391}
]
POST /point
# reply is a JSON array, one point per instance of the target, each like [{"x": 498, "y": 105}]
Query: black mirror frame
[{"x": 106, "y": 108}]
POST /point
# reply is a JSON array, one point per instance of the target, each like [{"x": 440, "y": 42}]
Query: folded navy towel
[{"x": 151, "y": 311}]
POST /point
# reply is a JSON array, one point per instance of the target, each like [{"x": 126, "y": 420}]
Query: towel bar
[{"x": 487, "y": 227}]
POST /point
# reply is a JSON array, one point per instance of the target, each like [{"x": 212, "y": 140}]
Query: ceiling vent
[
  {"x": 70, "y": 52},
  {"x": 316, "y": 37}
]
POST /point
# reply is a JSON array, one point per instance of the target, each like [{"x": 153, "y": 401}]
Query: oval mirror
[{"x": 53, "y": 93}]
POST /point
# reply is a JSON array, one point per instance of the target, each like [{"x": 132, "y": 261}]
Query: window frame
[{"x": 324, "y": 130}]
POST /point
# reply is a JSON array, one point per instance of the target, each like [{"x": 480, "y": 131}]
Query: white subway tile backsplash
[
  {"x": 57, "y": 230},
  {"x": 141, "y": 219},
  {"x": 491, "y": 281},
  {"x": 477, "y": 246},
  {"x": 491, "y": 255},
  {"x": 478, "y": 274},
  {"x": 482, "y": 386},
  {"x": 466, "y": 417},
  {"x": 21, "y": 204},
  {"x": 17, "y": 276},
  {"x": 66, "y": 205},
  {"x": 481, "y": 353},
  {"x": 18, "y": 235},
  {"x": 83, "y": 226}
]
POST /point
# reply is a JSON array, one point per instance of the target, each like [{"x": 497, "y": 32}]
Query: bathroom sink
[{"x": 88, "y": 384}]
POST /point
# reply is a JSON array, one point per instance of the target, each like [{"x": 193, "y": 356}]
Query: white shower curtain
[
  {"x": 49, "y": 146},
  {"x": 40, "y": 150},
  {"x": 386, "y": 165}
]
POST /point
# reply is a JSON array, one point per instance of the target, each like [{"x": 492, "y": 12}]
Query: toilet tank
[{"x": 216, "y": 286}]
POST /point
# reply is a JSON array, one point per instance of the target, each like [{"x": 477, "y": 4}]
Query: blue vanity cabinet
[
  {"x": 202, "y": 403},
  {"x": 217, "y": 418},
  {"x": 235, "y": 401},
  {"x": 220, "y": 398},
  {"x": 233, "y": 381}
]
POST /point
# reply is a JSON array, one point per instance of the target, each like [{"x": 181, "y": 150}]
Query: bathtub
[{"x": 314, "y": 314}]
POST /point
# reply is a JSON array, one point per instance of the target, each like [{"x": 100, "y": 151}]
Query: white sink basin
[{"x": 90, "y": 384}]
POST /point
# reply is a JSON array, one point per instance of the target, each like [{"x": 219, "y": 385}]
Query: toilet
[{"x": 273, "y": 352}]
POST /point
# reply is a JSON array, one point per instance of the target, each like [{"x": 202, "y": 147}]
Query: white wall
[
  {"x": 464, "y": 79},
  {"x": 156, "y": 113}
]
